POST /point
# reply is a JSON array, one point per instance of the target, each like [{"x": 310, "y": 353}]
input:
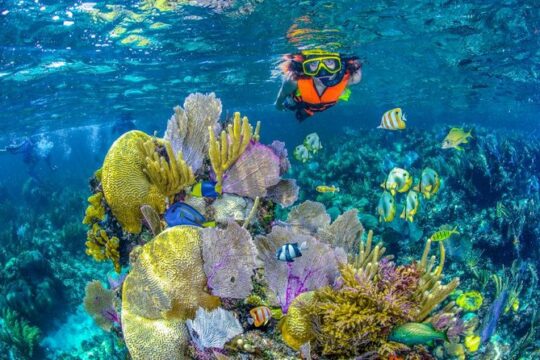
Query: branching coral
[
  {"x": 372, "y": 296},
  {"x": 102, "y": 247},
  {"x": 98, "y": 302},
  {"x": 187, "y": 130},
  {"x": 19, "y": 334},
  {"x": 167, "y": 171},
  {"x": 231, "y": 145}
]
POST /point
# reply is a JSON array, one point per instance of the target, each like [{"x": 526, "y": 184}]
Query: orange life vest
[{"x": 309, "y": 97}]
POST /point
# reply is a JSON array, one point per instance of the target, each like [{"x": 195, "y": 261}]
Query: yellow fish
[
  {"x": 386, "y": 209},
  {"x": 429, "y": 184},
  {"x": 412, "y": 203},
  {"x": 456, "y": 137},
  {"x": 260, "y": 316},
  {"x": 327, "y": 189},
  {"x": 393, "y": 120},
  {"x": 443, "y": 234},
  {"x": 398, "y": 180}
]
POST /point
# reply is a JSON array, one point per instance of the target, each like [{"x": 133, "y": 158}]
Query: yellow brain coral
[
  {"x": 125, "y": 185},
  {"x": 164, "y": 288},
  {"x": 296, "y": 328}
]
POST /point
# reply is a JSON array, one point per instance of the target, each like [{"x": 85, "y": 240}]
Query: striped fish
[
  {"x": 289, "y": 252},
  {"x": 393, "y": 120},
  {"x": 260, "y": 316}
]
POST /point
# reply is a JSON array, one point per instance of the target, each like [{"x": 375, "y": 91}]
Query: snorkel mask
[{"x": 321, "y": 63}]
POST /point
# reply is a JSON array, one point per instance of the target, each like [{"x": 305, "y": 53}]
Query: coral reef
[
  {"x": 98, "y": 302},
  {"x": 101, "y": 246},
  {"x": 19, "y": 334},
  {"x": 213, "y": 329}
]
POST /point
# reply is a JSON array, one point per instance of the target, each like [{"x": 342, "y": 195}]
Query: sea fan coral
[
  {"x": 229, "y": 260},
  {"x": 280, "y": 150},
  {"x": 213, "y": 329},
  {"x": 253, "y": 173},
  {"x": 98, "y": 302},
  {"x": 187, "y": 130},
  {"x": 309, "y": 216},
  {"x": 344, "y": 232},
  {"x": 152, "y": 219},
  {"x": 317, "y": 267},
  {"x": 285, "y": 192}
]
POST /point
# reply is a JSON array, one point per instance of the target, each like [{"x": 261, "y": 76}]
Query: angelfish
[
  {"x": 412, "y": 203},
  {"x": 208, "y": 189},
  {"x": 290, "y": 251},
  {"x": 386, "y": 209}
]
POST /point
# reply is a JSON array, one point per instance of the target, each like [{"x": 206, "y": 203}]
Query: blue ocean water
[{"x": 75, "y": 75}]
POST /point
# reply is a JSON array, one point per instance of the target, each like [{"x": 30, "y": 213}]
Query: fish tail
[
  {"x": 380, "y": 127},
  {"x": 469, "y": 134},
  {"x": 402, "y": 216},
  {"x": 337, "y": 189}
]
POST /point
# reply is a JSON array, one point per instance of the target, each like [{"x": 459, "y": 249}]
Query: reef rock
[{"x": 231, "y": 207}]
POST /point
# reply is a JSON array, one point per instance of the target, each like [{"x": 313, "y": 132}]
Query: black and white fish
[{"x": 289, "y": 252}]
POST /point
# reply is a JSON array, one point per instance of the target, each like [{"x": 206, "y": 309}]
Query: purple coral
[
  {"x": 281, "y": 151},
  {"x": 229, "y": 260},
  {"x": 317, "y": 267},
  {"x": 253, "y": 173}
]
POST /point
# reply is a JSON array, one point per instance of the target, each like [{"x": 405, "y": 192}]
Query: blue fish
[
  {"x": 181, "y": 213},
  {"x": 208, "y": 189}
]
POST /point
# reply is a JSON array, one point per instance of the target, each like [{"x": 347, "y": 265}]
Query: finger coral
[
  {"x": 164, "y": 288},
  {"x": 187, "y": 130},
  {"x": 167, "y": 171},
  {"x": 98, "y": 303},
  {"x": 253, "y": 173},
  {"x": 213, "y": 329},
  {"x": 231, "y": 144},
  {"x": 229, "y": 260},
  {"x": 125, "y": 185},
  {"x": 102, "y": 247}
]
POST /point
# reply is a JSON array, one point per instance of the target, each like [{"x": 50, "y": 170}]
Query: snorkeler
[
  {"x": 32, "y": 153},
  {"x": 316, "y": 80}
]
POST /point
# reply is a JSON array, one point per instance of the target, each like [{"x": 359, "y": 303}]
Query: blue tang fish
[{"x": 181, "y": 213}]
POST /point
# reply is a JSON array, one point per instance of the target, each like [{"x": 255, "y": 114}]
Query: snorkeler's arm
[
  {"x": 288, "y": 86},
  {"x": 355, "y": 69}
]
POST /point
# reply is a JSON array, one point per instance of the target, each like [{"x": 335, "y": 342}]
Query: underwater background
[{"x": 75, "y": 76}]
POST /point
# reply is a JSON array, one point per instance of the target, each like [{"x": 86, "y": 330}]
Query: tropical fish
[
  {"x": 290, "y": 251},
  {"x": 260, "y": 316},
  {"x": 393, "y": 120},
  {"x": 429, "y": 184},
  {"x": 386, "y": 207},
  {"x": 412, "y": 203},
  {"x": 301, "y": 153},
  {"x": 456, "y": 137},
  {"x": 416, "y": 334},
  {"x": 208, "y": 189},
  {"x": 181, "y": 213},
  {"x": 313, "y": 143},
  {"x": 443, "y": 234},
  {"x": 398, "y": 180},
  {"x": 327, "y": 189}
]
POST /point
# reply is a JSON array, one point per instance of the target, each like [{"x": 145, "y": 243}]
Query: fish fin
[
  {"x": 380, "y": 127},
  {"x": 337, "y": 189},
  {"x": 393, "y": 192},
  {"x": 427, "y": 195},
  {"x": 303, "y": 246},
  {"x": 402, "y": 216},
  {"x": 469, "y": 134},
  {"x": 382, "y": 185},
  {"x": 416, "y": 188},
  {"x": 458, "y": 148},
  {"x": 250, "y": 321}
]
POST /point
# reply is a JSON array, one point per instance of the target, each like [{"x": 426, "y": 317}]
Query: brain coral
[
  {"x": 125, "y": 185},
  {"x": 164, "y": 288}
]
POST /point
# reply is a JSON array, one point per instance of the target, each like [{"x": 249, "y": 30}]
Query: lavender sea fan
[
  {"x": 317, "y": 267},
  {"x": 253, "y": 173},
  {"x": 229, "y": 260}
]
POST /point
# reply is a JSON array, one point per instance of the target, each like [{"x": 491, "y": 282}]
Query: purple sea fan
[
  {"x": 229, "y": 260},
  {"x": 253, "y": 173},
  {"x": 317, "y": 267},
  {"x": 285, "y": 192},
  {"x": 281, "y": 151}
]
